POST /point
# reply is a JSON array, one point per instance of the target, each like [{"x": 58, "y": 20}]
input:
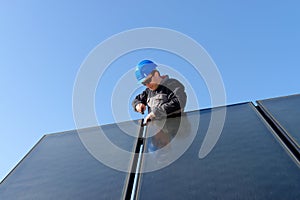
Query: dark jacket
[{"x": 167, "y": 100}]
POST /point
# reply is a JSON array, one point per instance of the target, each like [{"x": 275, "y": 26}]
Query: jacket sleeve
[
  {"x": 141, "y": 98},
  {"x": 176, "y": 101}
]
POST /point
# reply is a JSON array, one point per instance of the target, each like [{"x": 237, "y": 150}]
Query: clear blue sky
[{"x": 255, "y": 45}]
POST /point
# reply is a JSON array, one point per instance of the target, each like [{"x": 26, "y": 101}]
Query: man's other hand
[{"x": 149, "y": 117}]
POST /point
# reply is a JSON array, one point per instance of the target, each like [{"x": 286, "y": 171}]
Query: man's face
[{"x": 152, "y": 81}]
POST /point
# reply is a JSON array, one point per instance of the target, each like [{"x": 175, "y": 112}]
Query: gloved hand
[
  {"x": 149, "y": 117},
  {"x": 140, "y": 108}
]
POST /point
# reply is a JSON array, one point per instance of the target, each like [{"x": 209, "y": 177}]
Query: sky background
[{"x": 254, "y": 44}]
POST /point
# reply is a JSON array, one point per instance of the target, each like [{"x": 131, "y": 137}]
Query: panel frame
[{"x": 284, "y": 136}]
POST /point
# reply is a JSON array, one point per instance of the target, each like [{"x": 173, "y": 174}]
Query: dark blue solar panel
[
  {"x": 285, "y": 113},
  {"x": 60, "y": 167},
  {"x": 247, "y": 162}
]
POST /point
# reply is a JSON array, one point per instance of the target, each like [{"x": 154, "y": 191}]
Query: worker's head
[{"x": 147, "y": 74}]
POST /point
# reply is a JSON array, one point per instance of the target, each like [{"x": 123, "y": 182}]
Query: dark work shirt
[{"x": 167, "y": 100}]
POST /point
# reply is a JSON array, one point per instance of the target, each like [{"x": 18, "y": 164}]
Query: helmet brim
[{"x": 141, "y": 81}]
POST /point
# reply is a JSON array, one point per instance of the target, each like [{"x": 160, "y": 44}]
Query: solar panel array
[{"x": 249, "y": 159}]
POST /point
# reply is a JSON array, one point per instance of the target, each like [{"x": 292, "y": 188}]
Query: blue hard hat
[{"x": 143, "y": 69}]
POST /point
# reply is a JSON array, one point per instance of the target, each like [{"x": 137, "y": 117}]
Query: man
[{"x": 164, "y": 97}]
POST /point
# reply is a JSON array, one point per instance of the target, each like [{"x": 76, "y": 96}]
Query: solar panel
[
  {"x": 285, "y": 114},
  {"x": 60, "y": 167},
  {"x": 247, "y": 162}
]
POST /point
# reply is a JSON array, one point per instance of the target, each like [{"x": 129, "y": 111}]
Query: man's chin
[{"x": 154, "y": 87}]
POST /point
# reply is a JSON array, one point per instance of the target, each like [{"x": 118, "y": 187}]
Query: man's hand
[
  {"x": 140, "y": 108},
  {"x": 149, "y": 117}
]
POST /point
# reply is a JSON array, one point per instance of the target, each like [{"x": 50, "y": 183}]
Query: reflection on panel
[
  {"x": 285, "y": 113},
  {"x": 60, "y": 167},
  {"x": 247, "y": 161}
]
